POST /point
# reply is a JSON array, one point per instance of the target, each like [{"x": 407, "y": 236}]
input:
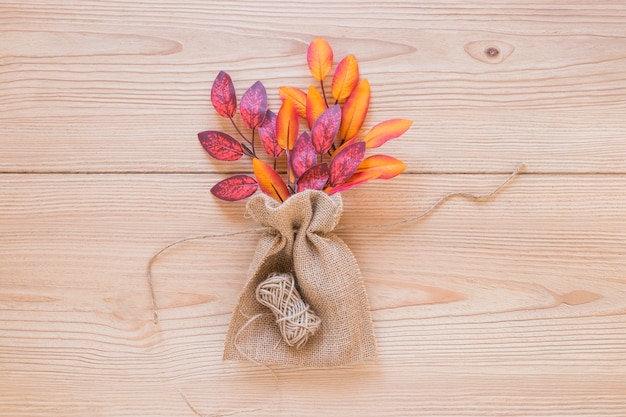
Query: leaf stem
[
  {"x": 288, "y": 168},
  {"x": 253, "y": 142},
  {"x": 248, "y": 151},
  {"x": 323, "y": 92},
  {"x": 241, "y": 134}
]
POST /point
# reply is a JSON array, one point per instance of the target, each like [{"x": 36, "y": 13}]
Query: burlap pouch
[{"x": 300, "y": 239}]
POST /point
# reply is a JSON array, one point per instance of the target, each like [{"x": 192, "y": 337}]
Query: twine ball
[{"x": 294, "y": 317}]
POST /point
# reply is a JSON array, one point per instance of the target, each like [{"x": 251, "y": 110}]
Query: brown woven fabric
[{"x": 300, "y": 239}]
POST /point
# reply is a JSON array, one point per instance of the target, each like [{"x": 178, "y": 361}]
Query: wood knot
[
  {"x": 489, "y": 51},
  {"x": 492, "y": 51},
  {"x": 294, "y": 317}
]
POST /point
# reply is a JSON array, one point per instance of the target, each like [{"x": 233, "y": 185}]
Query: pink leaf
[
  {"x": 235, "y": 188},
  {"x": 223, "y": 95},
  {"x": 220, "y": 145},
  {"x": 302, "y": 155},
  {"x": 345, "y": 162},
  {"x": 267, "y": 133},
  {"x": 356, "y": 179},
  {"x": 325, "y": 129},
  {"x": 253, "y": 105},
  {"x": 314, "y": 178}
]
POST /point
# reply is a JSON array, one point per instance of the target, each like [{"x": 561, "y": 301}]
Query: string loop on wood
[
  {"x": 411, "y": 219},
  {"x": 155, "y": 309},
  {"x": 294, "y": 317}
]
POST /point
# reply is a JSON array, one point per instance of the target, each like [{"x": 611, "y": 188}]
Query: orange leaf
[
  {"x": 356, "y": 179},
  {"x": 269, "y": 181},
  {"x": 287, "y": 125},
  {"x": 315, "y": 105},
  {"x": 345, "y": 78},
  {"x": 385, "y": 131},
  {"x": 319, "y": 56},
  {"x": 385, "y": 166},
  {"x": 298, "y": 96},
  {"x": 355, "y": 110}
]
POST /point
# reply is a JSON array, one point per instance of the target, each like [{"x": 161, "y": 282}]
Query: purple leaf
[
  {"x": 253, "y": 105},
  {"x": 220, "y": 145},
  {"x": 314, "y": 178},
  {"x": 223, "y": 95},
  {"x": 345, "y": 162},
  {"x": 267, "y": 133},
  {"x": 303, "y": 155},
  {"x": 325, "y": 129},
  {"x": 235, "y": 188}
]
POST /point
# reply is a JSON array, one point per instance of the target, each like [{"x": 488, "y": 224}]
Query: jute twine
[
  {"x": 294, "y": 317},
  {"x": 277, "y": 295},
  {"x": 285, "y": 316}
]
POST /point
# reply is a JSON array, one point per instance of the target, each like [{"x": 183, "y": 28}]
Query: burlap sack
[{"x": 300, "y": 239}]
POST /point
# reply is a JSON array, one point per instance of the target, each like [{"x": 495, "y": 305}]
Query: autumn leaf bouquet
[{"x": 304, "y": 303}]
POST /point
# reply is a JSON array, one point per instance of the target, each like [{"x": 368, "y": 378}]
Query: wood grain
[
  {"x": 514, "y": 306},
  {"x": 124, "y": 86}
]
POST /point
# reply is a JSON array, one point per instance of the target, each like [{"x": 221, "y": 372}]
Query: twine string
[
  {"x": 294, "y": 317},
  {"x": 412, "y": 219},
  {"x": 153, "y": 259},
  {"x": 276, "y": 294},
  {"x": 462, "y": 194}
]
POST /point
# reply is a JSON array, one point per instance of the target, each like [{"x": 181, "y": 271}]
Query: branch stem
[
  {"x": 323, "y": 92},
  {"x": 240, "y": 133}
]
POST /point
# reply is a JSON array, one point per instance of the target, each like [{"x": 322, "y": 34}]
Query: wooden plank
[
  {"x": 513, "y": 306},
  {"x": 124, "y": 86}
]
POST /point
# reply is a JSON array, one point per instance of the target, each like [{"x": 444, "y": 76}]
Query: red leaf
[
  {"x": 325, "y": 129},
  {"x": 345, "y": 162},
  {"x": 253, "y": 105},
  {"x": 319, "y": 57},
  {"x": 315, "y": 106},
  {"x": 303, "y": 155},
  {"x": 287, "y": 125},
  {"x": 223, "y": 95},
  {"x": 220, "y": 145},
  {"x": 270, "y": 182},
  {"x": 235, "y": 188},
  {"x": 314, "y": 178},
  {"x": 355, "y": 110},
  {"x": 385, "y": 166},
  {"x": 298, "y": 96},
  {"x": 345, "y": 78},
  {"x": 385, "y": 131},
  {"x": 356, "y": 179},
  {"x": 267, "y": 133}
]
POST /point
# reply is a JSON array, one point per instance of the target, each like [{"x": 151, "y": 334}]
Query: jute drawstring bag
[{"x": 299, "y": 242}]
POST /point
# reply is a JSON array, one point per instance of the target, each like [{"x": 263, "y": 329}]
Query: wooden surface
[{"x": 511, "y": 307}]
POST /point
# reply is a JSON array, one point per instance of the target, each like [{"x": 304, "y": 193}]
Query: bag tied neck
[{"x": 300, "y": 241}]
